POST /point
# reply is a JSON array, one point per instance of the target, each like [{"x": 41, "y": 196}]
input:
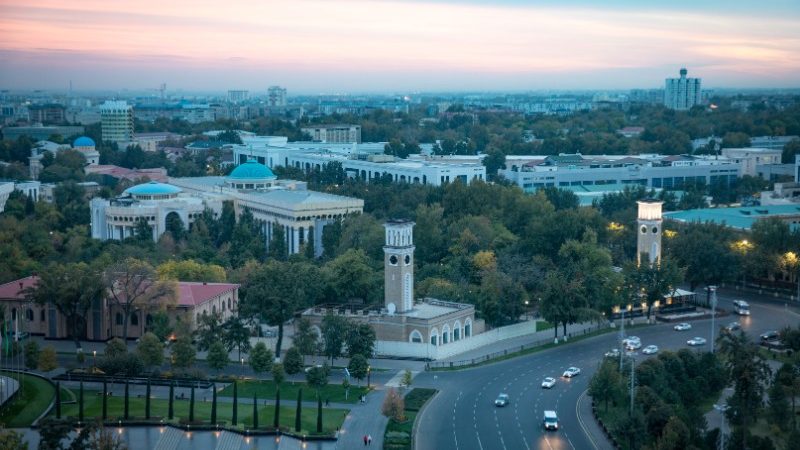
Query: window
[
  {"x": 229, "y": 304},
  {"x": 415, "y": 336},
  {"x": 148, "y": 320},
  {"x": 134, "y": 319},
  {"x": 119, "y": 318},
  {"x": 41, "y": 315},
  {"x": 29, "y": 314}
]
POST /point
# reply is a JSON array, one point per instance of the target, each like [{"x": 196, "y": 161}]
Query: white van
[{"x": 550, "y": 420}]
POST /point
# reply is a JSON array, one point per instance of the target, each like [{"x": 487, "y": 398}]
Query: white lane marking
[
  {"x": 455, "y": 437},
  {"x": 581, "y": 398}
]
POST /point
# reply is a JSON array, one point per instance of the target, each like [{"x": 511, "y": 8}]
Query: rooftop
[
  {"x": 741, "y": 217},
  {"x": 13, "y": 289},
  {"x": 196, "y": 293},
  {"x": 153, "y": 188},
  {"x": 251, "y": 170}
]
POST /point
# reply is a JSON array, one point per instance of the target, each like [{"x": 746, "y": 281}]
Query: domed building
[
  {"x": 160, "y": 205},
  {"x": 285, "y": 206},
  {"x": 86, "y": 146}
]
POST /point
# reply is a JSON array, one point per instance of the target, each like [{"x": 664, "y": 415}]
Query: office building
[
  {"x": 40, "y": 133},
  {"x": 773, "y": 142},
  {"x": 750, "y": 158},
  {"x": 682, "y": 93},
  {"x": 116, "y": 119},
  {"x": 47, "y": 114},
  {"x": 238, "y": 96},
  {"x": 276, "y": 97},
  {"x": 334, "y": 133}
]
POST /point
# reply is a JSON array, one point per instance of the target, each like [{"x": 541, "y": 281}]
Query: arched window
[
  {"x": 434, "y": 337},
  {"x": 229, "y": 304},
  {"x": 119, "y": 318},
  {"x": 445, "y": 334},
  {"x": 134, "y": 319},
  {"x": 13, "y": 313},
  {"x": 41, "y": 315},
  {"x": 213, "y": 309},
  {"x": 457, "y": 331},
  {"x": 415, "y": 336},
  {"x": 468, "y": 328},
  {"x": 29, "y": 314}
]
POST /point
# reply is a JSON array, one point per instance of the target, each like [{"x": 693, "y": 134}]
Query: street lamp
[
  {"x": 713, "y": 290},
  {"x": 744, "y": 246},
  {"x": 791, "y": 260},
  {"x": 369, "y": 372},
  {"x": 242, "y": 360},
  {"x": 94, "y": 358}
]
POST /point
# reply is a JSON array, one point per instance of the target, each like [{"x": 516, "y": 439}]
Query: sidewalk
[
  {"x": 364, "y": 419},
  {"x": 589, "y": 424}
]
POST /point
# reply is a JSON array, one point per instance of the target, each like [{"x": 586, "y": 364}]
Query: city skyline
[{"x": 378, "y": 46}]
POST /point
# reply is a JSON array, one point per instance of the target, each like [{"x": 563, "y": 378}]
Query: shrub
[
  {"x": 393, "y": 406},
  {"x": 47, "y": 359},
  {"x": 31, "y": 354},
  {"x": 122, "y": 364}
]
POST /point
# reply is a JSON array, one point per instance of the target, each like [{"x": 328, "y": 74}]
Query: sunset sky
[{"x": 316, "y": 46}]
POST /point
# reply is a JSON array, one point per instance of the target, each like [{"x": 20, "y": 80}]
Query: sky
[{"x": 348, "y": 46}]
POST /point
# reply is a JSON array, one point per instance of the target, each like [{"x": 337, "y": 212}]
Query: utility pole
[
  {"x": 633, "y": 363},
  {"x": 713, "y": 314}
]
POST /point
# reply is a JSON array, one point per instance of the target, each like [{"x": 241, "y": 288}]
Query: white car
[
  {"x": 683, "y": 326},
  {"x": 613, "y": 353},
  {"x": 632, "y": 343},
  {"x": 502, "y": 400},
  {"x": 571, "y": 372},
  {"x": 695, "y": 341},
  {"x": 650, "y": 350},
  {"x": 548, "y": 383}
]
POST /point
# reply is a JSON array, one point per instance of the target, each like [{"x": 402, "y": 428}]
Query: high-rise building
[
  {"x": 276, "y": 96},
  {"x": 238, "y": 96},
  {"x": 682, "y": 93},
  {"x": 116, "y": 119}
]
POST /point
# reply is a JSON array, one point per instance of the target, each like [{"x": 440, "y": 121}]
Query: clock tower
[
  {"x": 649, "y": 222},
  {"x": 398, "y": 266}
]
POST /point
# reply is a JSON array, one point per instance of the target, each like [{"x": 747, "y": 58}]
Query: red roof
[
  {"x": 12, "y": 289},
  {"x": 196, "y": 293}
]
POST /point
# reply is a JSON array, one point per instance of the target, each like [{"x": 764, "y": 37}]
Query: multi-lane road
[{"x": 463, "y": 416}]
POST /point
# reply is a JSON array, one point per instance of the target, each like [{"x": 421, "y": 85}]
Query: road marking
[
  {"x": 580, "y": 420},
  {"x": 455, "y": 437}
]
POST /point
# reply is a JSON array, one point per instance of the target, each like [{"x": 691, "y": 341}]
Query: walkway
[
  {"x": 364, "y": 419},
  {"x": 8, "y": 387}
]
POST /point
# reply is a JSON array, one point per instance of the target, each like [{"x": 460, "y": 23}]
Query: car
[
  {"x": 613, "y": 353},
  {"x": 571, "y": 372},
  {"x": 501, "y": 400},
  {"x": 650, "y": 350},
  {"x": 550, "y": 420},
  {"x": 733, "y": 326},
  {"x": 695, "y": 341},
  {"x": 548, "y": 383},
  {"x": 683, "y": 326},
  {"x": 632, "y": 343},
  {"x": 770, "y": 336}
]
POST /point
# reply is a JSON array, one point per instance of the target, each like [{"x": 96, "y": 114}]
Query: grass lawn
[
  {"x": 331, "y": 418},
  {"x": 32, "y": 400},
  {"x": 542, "y": 325},
  {"x": 266, "y": 389}
]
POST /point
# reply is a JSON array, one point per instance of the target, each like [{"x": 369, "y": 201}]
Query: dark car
[{"x": 770, "y": 336}]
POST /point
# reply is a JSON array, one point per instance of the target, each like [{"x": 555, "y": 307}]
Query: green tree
[
  {"x": 703, "y": 250},
  {"x": 277, "y": 244},
  {"x": 31, "y": 354},
  {"x": 209, "y": 330},
  {"x": 298, "y": 410},
  {"x": 407, "y": 379},
  {"x": 191, "y": 270},
  {"x": 306, "y": 338},
  {"x": 606, "y": 384},
  {"x": 235, "y": 414},
  {"x": 358, "y": 366},
  {"x": 360, "y": 339},
  {"x": 183, "y": 352},
  {"x": 11, "y": 440},
  {"x": 217, "y": 357},
  {"x": 160, "y": 325},
  {"x": 350, "y": 276},
  {"x": 319, "y": 413},
  {"x": 261, "y": 358},
  {"x": 236, "y": 335},
  {"x": 334, "y": 332},
  {"x": 317, "y": 377},
  {"x": 652, "y": 282},
  {"x": 293, "y": 361},
  {"x": 47, "y": 359},
  {"x": 150, "y": 350}
]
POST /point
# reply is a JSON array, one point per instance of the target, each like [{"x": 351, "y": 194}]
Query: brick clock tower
[
  {"x": 649, "y": 224},
  {"x": 398, "y": 266}
]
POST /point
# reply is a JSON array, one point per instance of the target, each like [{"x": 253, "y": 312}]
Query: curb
[{"x": 416, "y": 419}]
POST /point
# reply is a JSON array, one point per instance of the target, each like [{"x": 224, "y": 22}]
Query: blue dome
[
  {"x": 83, "y": 141},
  {"x": 252, "y": 170},
  {"x": 153, "y": 188}
]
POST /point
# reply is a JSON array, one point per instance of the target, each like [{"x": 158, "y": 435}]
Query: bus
[{"x": 741, "y": 307}]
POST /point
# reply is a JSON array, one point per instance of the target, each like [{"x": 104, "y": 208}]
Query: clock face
[
  {"x": 655, "y": 230},
  {"x": 644, "y": 229},
  {"x": 393, "y": 260},
  {"x": 407, "y": 260}
]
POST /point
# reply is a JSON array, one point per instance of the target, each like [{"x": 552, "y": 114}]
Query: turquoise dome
[
  {"x": 83, "y": 141},
  {"x": 153, "y": 188},
  {"x": 251, "y": 170}
]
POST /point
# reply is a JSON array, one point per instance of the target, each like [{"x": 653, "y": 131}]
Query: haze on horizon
[{"x": 314, "y": 46}]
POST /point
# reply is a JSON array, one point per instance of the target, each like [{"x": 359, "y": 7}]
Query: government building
[{"x": 251, "y": 186}]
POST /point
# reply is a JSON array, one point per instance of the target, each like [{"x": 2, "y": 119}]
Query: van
[{"x": 550, "y": 420}]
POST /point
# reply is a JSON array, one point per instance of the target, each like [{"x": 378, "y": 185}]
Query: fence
[{"x": 507, "y": 351}]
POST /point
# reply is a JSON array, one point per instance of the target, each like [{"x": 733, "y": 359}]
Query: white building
[
  {"x": 652, "y": 171},
  {"x": 773, "y": 142},
  {"x": 682, "y": 93},
  {"x": 365, "y": 161},
  {"x": 116, "y": 118},
  {"x": 750, "y": 158},
  {"x": 238, "y": 95},
  {"x": 334, "y": 133},
  {"x": 274, "y": 203},
  {"x": 276, "y": 96},
  {"x": 6, "y": 188}
]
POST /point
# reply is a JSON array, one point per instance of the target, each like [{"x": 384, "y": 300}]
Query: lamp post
[
  {"x": 94, "y": 358},
  {"x": 792, "y": 261},
  {"x": 713, "y": 290},
  {"x": 369, "y": 372},
  {"x": 744, "y": 246},
  {"x": 242, "y": 361}
]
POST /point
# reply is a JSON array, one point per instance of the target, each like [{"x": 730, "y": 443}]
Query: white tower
[
  {"x": 398, "y": 266},
  {"x": 649, "y": 224}
]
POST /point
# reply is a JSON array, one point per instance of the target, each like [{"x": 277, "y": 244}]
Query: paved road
[{"x": 462, "y": 416}]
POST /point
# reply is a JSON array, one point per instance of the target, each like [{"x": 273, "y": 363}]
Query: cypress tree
[
  {"x": 235, "y": 417},
  {"x": 105, "y": 400},
  {"x": 80, "y": 404},
  {"x": 127, "y": 410},
  {"x": 171, "y": 411},
  {"x": 255, "y": 411},
  {"x": 299, "y": 409},
  {"x": 58, "y": 400},
  {"x": 277, "y": 420},
  {"x": 214, "y": 405},
  {"x": 319, "y": 413},
  {"x": 191, "y": 406},
  {"x": 147, "y": 401}
]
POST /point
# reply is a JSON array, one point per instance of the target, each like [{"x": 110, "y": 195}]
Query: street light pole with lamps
[{"x": 713, "y": 290}]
